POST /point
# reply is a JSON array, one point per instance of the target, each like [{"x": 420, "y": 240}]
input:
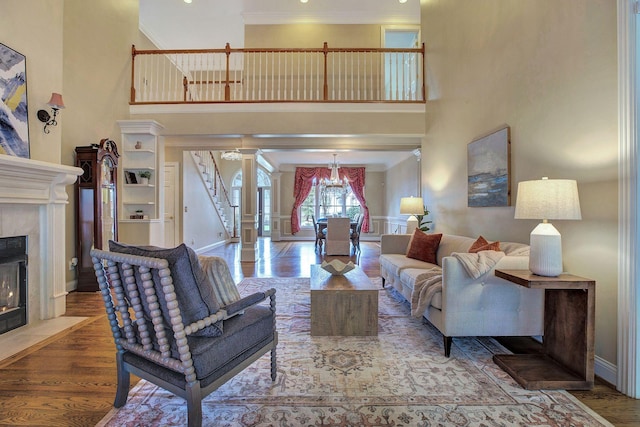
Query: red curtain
[
  {"x": 303, "y": 182},
  {"x": 356, "y": 181}
]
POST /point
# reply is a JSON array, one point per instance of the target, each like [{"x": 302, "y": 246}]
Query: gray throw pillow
[{"x": 194, "y": 293}]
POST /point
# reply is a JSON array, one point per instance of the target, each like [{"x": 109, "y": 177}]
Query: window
[{"x": 330, "y": 202}]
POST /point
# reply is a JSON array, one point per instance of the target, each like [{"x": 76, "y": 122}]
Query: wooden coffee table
[{"x": 344, "y": 305}]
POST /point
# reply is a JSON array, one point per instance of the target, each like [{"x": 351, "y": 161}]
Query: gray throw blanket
[{"x": 429, "y": 283}]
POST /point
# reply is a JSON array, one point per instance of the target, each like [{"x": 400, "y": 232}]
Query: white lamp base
[
  {"x": 412, "y": 224},
  {"x": 545, "y": 258}
]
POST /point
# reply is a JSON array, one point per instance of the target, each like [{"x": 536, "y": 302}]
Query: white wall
[
  {"x": 548, "y": 69},
  {"x": 201, "y": 225},
  {"x": 401, "y": 181},
  {"x": 34, "y": 29}
]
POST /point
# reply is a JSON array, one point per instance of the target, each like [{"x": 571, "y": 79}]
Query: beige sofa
[{"x": 466, "y": 306}]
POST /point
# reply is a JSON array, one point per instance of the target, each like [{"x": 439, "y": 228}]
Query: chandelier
[
  {"x": 334, "y": 182},
  {"x": 231, "y": 155}
]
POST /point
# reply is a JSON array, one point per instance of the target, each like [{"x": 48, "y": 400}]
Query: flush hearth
[{"x": 13, "y": 283}]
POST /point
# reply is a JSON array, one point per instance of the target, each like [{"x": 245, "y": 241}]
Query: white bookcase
[{"x": 142, "y": 201}]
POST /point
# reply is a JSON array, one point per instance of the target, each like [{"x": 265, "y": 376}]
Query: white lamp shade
[
  {"x": 411, "y": 206},
  {"x": 548, "y": 199}
]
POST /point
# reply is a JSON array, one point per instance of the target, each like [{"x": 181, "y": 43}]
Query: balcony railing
[{"x": 277, "y": 75}]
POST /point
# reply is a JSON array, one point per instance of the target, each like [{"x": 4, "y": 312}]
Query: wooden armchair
[{"x": 169, "y": 329}]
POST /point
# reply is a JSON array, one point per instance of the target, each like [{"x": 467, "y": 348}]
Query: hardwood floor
[{"x": 69, "y": 379}]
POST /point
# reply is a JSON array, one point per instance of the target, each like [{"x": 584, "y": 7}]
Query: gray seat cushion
[
  {"x": 194, "y": 293},
  {"x": 241, "y": 333},
  {"x": 213, "y": 357}
]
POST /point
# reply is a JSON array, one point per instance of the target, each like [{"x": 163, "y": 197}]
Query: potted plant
[
  {"x": 144, "y": 177},
  {"x": 423, "y": 225}
]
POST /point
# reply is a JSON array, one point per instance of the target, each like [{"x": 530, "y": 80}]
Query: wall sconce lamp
[{"x": 43, "y": 115}]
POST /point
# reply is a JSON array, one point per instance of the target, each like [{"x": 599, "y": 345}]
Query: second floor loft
[{"x": 265, "y": 75}]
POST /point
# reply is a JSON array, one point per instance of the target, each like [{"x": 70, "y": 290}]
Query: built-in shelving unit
[{"x": 142, "y": 201}]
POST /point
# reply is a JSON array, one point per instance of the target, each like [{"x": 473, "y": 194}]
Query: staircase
[{"x": 217, "y": 190}]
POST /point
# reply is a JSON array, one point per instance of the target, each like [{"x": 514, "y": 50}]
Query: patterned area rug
[{"x": 399, "y": 378}]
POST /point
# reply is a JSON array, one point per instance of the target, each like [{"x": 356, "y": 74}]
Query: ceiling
[{"x": 213, "y": 23}]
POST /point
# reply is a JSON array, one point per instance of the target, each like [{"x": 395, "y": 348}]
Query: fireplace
[
  {"x": 13, "y": 283},
  {"x": 33, "y": 201}
]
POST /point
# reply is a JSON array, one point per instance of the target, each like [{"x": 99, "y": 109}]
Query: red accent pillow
[
  {"x": 424, "y": 246},
  {"x": 481, "y": 244}
]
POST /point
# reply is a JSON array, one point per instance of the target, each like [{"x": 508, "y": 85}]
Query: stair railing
[
  {"x": 218, "y": 190},
  {"x": 325, "y": 74}
]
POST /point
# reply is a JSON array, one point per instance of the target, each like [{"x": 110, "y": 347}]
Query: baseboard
[
  {"x": 71, "y": 286},
  {"x": 606, "y": 370},
  {"x": 211, "y": 246}
]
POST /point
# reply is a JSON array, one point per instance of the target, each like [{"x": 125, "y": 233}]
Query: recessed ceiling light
[{"x": 189, "y": 1}]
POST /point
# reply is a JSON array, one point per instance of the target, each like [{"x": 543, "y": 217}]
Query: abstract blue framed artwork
[
  {"x": 488, "y": 169},
  {"x": 14, "y": 124}
]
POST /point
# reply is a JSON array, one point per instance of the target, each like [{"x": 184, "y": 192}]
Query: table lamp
[
  {"x": 547, "y": 199},
  {"x": 411, "y": 206}
]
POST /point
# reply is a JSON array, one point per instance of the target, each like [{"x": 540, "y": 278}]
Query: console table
[{"x": 567, "y": 357}]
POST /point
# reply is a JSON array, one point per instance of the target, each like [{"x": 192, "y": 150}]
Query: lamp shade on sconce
[
  {"x": 411, "y": 206},
  {"x": 56, "y": 104},
  {"x": 547, "y": 199},
  {"x": 56, "y": 101}
]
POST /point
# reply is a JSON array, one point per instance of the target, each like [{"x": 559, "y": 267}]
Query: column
[
  {"x": 249, "y": 207},
  {"x": 276, "y": 234}
]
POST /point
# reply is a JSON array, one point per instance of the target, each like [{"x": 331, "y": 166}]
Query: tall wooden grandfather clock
[{"x": 96, "y": 206}]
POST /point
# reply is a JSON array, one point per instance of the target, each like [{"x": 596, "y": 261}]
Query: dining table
[{"x": 322, "y": 225}]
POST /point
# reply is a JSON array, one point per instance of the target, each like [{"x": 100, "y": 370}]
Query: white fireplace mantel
[{"x": 33, "y": 199}]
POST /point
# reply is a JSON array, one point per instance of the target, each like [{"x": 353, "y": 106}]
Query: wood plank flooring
[{"x": 70, "y": 379}]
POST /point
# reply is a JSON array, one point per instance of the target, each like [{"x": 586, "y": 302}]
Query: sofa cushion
[
  {"x": 451, "y": 243},
  {"x": 424, "y": 246},
  {"x": 514, "y": 249},
  {"x": 194, "y": 293},
  {"x": 481, "y": 244},
  {"x": 395, "y": 263}
]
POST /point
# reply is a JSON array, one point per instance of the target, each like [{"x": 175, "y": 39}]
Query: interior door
[{"x": 170, "y": 204}]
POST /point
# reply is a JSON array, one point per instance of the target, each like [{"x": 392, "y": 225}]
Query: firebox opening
[{"x": 13, "y": 283}]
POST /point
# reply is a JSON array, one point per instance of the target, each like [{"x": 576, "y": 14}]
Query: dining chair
[
  {"x": 319, "y": 235},
  {"x": 355, "y": 233},
  {"x": 338, "y": 236}
]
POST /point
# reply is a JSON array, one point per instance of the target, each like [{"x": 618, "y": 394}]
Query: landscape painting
[
  {"x": 14, "y": 125},
  {"x": 488, "y": 164}
]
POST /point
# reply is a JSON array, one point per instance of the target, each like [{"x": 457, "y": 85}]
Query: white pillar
[
  {"x": 249, "y": 207},
  {"x": 276, "y": 234}
]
